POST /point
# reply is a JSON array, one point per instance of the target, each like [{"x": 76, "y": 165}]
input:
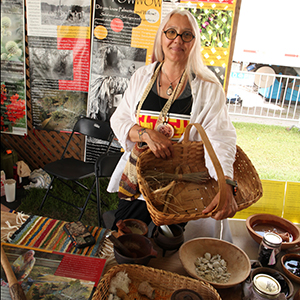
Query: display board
[
  {"x": 122, "y": 41},
  {"x": 279, "y": 198},
  {"x": 45, "y": 274},
  {"x": 13, "y": 88},
  {"x": 59, "y": 60}
]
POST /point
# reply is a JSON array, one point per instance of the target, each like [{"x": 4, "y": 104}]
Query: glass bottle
[
  {"x": 269, "y": 249},
  {"x": 266, "y": 287}
]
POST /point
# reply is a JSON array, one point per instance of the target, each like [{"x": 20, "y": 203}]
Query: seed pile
[{"x": 212, "y": 268}]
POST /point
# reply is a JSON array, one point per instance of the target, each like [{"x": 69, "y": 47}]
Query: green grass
[
  {"x": 273, "y": 150},
  {"x": 56, "y": 209}
]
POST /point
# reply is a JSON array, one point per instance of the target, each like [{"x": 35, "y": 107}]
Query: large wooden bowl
[
  {"x": 271, "y": 221},
  {"x": 238, "y": 263}
]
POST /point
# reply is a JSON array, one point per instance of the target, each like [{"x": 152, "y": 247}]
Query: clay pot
[
  {"x": 169, "y": 243},
  {"x": 287, "y": 257},
  {"x": 134, "y": 225},
  {"x": 263, "y": 222},
  {"x": 139, "y": 245}
]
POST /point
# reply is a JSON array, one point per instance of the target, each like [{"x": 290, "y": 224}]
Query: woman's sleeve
[{"x": 216, "y": 122}]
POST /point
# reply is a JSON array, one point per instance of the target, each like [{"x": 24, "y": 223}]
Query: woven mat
[{"x": 48, "y": 234}]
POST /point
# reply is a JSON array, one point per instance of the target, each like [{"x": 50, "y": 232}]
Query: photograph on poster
[
  {"x": 51, "y": 275},
  {"x": 13, "y": 90},
  {"x": 51, "y": 64},
  {"x": 58, "y": 110},
  {"x": 65, "y": 13},
  {"x": 112, "y": 68}
]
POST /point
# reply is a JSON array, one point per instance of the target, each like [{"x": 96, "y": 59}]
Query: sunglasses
[{"x": 172, "y": 34}]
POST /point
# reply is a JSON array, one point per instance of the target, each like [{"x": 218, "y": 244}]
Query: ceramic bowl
[
  {"x": 238, "y": 263},
  {"x": 286, "y": 285},
  {"x": 295, "y": 258},
  {"x": 138, "y": 244},
  {"x": 169, "y": 243},
  {"x": 136, "y": 226},
  {"x": 259, "y": 223}
]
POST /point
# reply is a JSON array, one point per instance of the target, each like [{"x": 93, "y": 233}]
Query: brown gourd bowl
[
  {"x": 289, "y": 274},
  {"x": 238, "y": 263},
  {"x": 135, "y": 224},
  {"x": 269, "y": 220}
]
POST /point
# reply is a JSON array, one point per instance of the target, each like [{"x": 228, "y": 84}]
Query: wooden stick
[{"x": 15, "y": 289}]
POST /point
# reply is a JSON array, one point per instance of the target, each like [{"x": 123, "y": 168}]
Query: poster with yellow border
[
  {"x": 270, "y": 203},
  {"x": 292, "y": 202},
  {"x": 122, "y": 39}
]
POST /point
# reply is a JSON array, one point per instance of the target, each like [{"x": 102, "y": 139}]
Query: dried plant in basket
[{"x": 178, "y": 189}]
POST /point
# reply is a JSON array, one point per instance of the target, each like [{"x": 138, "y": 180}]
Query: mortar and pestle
[
  {"x": 133, "y": 248},
  {"x": 168, "y": 240}
]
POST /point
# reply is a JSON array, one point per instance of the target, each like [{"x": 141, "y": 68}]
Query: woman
[
  {"x": 23, "y": 265},
  {"x": 177, "y": 71}
]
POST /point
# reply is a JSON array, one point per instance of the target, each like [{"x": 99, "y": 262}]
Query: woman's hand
[
  {"x": 229, "y": 208},
  {"x": 158, "y": 143}
]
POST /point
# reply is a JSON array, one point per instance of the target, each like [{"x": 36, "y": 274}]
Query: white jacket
[{"x": 209, "y": 109}]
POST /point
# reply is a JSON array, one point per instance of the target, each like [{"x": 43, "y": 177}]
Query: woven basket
[
  {"x": 178, "y": 189},
  {"x": 164, "y": 283}
]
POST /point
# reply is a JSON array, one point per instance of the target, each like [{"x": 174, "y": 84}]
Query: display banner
[
  {"x": 59, "y": 60},
  {"x": 122, "y": 41},
  {"x": 13, "y": 87}
]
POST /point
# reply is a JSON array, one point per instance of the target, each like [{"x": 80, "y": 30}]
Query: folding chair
[
  {"x": 104, "y": 167},
  {"x": 69, "y": 170}
]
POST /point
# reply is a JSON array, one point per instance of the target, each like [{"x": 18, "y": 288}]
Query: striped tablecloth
[{"x": 48, "y": 234}]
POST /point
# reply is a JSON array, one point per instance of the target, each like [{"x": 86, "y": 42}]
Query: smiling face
[{"x": 176, "y": 50}]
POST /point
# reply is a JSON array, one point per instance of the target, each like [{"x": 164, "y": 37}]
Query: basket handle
[{"x": 214, "y": 159}]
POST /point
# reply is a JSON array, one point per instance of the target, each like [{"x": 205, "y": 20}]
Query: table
[{"x": 170, "y": 262}]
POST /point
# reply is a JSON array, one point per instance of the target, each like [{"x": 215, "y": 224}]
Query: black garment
[{"x": 181, "y": 106}]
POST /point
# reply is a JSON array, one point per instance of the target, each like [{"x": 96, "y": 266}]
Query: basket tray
[
  {"x": 164, "y": 283},
  {"x": 178, "y": 200}
]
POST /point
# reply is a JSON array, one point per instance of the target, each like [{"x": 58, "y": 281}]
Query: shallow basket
[
  {"x": 178, "y": 189},
  {"x": 164, "y": 283}
]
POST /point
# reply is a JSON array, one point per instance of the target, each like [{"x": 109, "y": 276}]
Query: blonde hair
[{"x": 195, "y": 63}]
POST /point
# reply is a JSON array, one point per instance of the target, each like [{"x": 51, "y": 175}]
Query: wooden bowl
[
  {"x": 285, "y": 258},
  {"x": 136, "y": 226},
  {"x": 259, "y": 223},
  {"x": 238, "y": 263},
  {"x": 281, "y": 278}
]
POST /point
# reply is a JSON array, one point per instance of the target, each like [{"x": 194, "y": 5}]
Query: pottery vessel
[
  {"x": 269, "y": 221},
  {"x": 136, "y": 226},
  {"x": 237, "y": 261},
  {"x": 169, "y": 243},
  {"x": 290, "y": 257},
  {"x": 138, "y": 244}
]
